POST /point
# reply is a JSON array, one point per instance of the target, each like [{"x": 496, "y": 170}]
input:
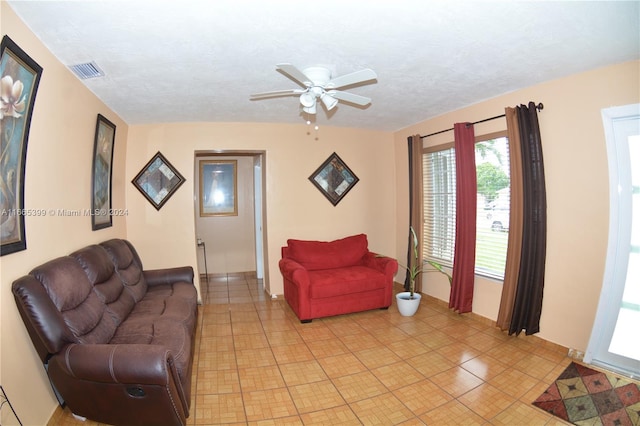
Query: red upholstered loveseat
[{"x": 325, "y": 278}]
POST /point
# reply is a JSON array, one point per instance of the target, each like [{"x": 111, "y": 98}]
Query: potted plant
[{"x": 409, "y": 301}]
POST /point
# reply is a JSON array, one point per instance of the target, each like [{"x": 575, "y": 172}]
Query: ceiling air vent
[{"x": 87, "y": 70}]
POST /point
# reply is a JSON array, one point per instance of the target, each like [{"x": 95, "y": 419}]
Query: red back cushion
[{"x": 314, "y": 255}]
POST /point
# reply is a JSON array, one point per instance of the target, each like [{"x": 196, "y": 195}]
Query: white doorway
[
  {"x": 614, "y": 342},
  {"x": 257, "y": 188},
  {"x": 232, "y": 244}
]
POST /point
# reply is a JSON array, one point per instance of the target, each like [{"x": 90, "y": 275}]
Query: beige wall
[
  {"x": 294, "y": 207},
  {"x": 577, "y": 192},
  {"x": 58, "y": 176}
]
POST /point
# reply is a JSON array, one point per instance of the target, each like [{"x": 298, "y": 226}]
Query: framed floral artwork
[
  {"x": 334, "y": 179},
  {"x": 158, "y": 180},
  {"x": 19, "y": 79},
  {"x": 101, "y": 173}
]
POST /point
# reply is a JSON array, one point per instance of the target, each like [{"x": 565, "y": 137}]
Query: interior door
[
  {"x": 614, "y": 342},
  {"x": 257, "y": 188}
]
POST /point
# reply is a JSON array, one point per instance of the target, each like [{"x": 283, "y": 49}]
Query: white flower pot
[{"x": 407, "y": 306}]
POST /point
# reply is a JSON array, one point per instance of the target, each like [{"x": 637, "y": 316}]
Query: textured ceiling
[{"x": 182, "y": 61}]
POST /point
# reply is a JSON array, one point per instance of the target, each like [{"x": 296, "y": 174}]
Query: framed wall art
[
  {"x": 158, "y": 180},
  {"x": 218, "y": 188},
  {"x": 334, "y": 179},
  {"x": 101, "y": 173},
  {"x": 19, "y": 79}
]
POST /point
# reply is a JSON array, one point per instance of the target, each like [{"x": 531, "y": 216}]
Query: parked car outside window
[{"x": 499, "y": 219}]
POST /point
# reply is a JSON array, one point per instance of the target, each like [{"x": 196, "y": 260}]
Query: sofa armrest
[
  {"x": 134, "y": 363},
  {"x": 297, "y": 285},
  {"x": 136, "y": 378},
  {"x": 387, "y": 265},
  {"x": 169, "y": 275},
  {"x": 294, "y": 272}
]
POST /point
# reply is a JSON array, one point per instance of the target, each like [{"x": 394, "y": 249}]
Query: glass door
[{"x": 614, "y": 342}]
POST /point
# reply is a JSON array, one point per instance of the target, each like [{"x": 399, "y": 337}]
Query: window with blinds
[
  {"x": 492, "y": 226},
  {"x": 439, "y": 195}
]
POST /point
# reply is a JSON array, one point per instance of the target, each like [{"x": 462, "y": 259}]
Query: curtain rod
[{"x": 539, "y": 107}]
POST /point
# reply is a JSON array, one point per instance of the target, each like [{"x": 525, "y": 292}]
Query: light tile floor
[{"x": 256, "y": 364}]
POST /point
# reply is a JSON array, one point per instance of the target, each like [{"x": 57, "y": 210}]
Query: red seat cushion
[{"x": 338, "y": 282}]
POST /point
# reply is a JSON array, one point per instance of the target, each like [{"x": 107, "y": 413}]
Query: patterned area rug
[{"x": 584, "y": 396}]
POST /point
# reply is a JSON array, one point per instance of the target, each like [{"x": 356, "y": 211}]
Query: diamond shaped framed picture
[
  {"x": 158, "y": 180},
  {"x": 334, "y": 179}
]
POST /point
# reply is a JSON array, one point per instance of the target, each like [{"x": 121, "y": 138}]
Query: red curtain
[{"x": 461, "y": 297}]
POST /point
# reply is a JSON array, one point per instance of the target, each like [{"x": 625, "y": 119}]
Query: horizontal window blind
[
  {"x": 492, "y": 234},
  {"x": 439, "y": 195}
]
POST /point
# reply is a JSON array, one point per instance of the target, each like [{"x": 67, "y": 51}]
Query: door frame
[
  {"x": 259, "y": 156},
  {"x": 616, "y": 262}
]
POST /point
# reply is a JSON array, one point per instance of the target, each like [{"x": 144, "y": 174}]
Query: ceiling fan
[{"x": 319, "y": 84}]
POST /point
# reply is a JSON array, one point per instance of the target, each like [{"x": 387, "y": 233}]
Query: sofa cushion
[
  {"x": 315, "y": 255},
  {"x": 72, "y": 293},
  {"x": 348, "y": 280},
  {"x": 161, "y": 301},
  {"x": 178, "y": 289},
  {"x": 127, "y": 267},
  {"x": 101, "y": 272}
]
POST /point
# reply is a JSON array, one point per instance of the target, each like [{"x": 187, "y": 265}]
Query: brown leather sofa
[{"x": 116, "y": 341}]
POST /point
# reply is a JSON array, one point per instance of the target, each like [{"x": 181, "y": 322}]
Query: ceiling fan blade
[
  {"x": 353, "y": 78},
  {"x": 276, "y": 93},
  {"x": 295, "y": 74},
  {"x": 350, "y": 97}
]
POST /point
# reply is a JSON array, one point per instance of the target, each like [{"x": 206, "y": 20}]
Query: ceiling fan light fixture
[
  {"x": 318, "y": 83},
  {"x": 329, "y": 101},
  {"x": 310, "y": 109},
  {"x": 308, "y": 100}
]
